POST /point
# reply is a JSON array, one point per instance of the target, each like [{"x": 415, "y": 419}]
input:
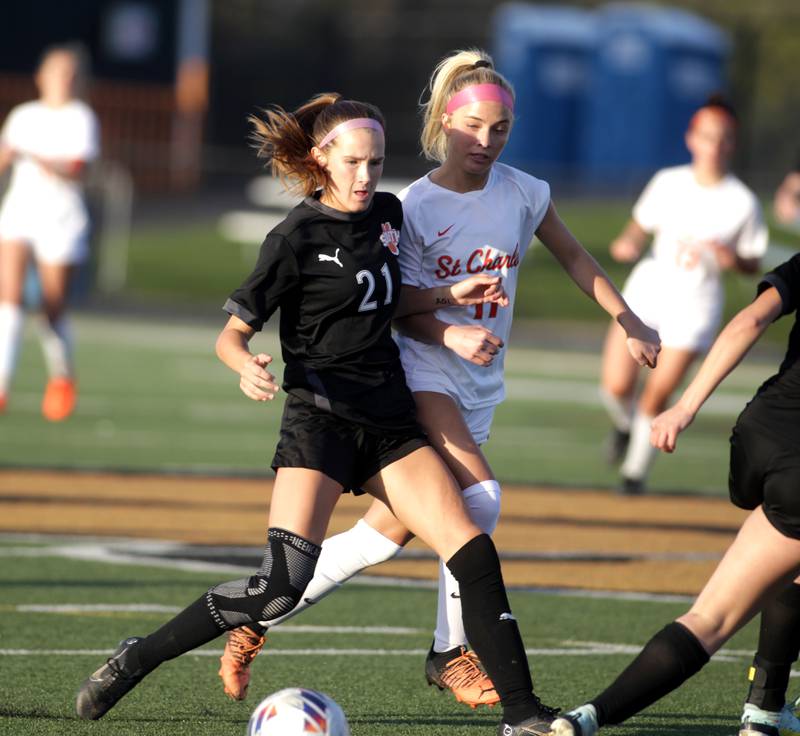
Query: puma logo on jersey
[
  {"x": 440, "y": 233},
  {"x": 335, "y": 258},
  {"x": 506, "y": 617}
]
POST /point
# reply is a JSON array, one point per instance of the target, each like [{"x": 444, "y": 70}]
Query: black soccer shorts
[
  {"x": 349, "y": 452},
  {"x": 766, "y": 471}
]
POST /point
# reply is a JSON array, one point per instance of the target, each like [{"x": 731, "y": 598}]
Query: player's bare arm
[
  {"x": 630, "y": 243},
  {"x": 232, "y": 349},
  {"x": 733, "y": 343},
  {"x": 643, "y": 342},
  {"x": 476, "y": 289}
]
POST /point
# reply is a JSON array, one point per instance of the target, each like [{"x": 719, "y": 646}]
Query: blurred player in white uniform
[
  {"x": 48, "y": 143},
  {"x": 471, "y": 215},
  {"x": 786, "y": 204},
  {"x": 703, "y": 221}
]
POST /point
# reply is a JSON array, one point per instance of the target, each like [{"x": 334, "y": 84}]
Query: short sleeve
[
  {"x": 411, "y": 245},
  {"x": 276, "y": 274},
  {"x": 786, "y": 279},
  {"x": 9, "y": 132},
  {"x": 754, "y": 236},
  {"x": 539, "y": 197},
  {"x": 88, "y": 140},
  {"x": 648, "y": 208}
]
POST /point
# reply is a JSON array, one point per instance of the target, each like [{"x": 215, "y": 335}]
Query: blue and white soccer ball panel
[{"x": 297, "y": 711}]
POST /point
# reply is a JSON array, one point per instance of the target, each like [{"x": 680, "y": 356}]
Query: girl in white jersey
[
  {"x": 703, "y": 221},
  {"x": 470, "y": 215},
  {"x": 48, "y": 143}
]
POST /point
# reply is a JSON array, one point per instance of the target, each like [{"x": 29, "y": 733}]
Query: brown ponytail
[{"x": 285, "y": 139}]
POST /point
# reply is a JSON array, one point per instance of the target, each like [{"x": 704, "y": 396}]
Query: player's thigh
[
  {"x": 303, "y": 501},
  {"x": 422, "y": 493},
  {"x": 759, "y": 562},
  {"x": 673, "y": 363},
  {"x": 14, "y": 255},
  {"x": 380, "y": 517},
  {"x": 447, "y": 431},
  {"x": 54, "y": 279},
  {"x": 619, "y": 370}
]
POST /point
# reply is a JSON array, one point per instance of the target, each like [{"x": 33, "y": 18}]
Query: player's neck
[{"x": 450, "y": 176}]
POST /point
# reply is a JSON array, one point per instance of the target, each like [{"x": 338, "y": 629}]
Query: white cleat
[{"x": 581, "y": 721}]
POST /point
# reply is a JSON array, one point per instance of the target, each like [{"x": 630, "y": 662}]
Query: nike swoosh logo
[
  {"x": 455, "y": 595},
  {"x": 443, "y": 232},
  {"x": 310, "y": 601}
]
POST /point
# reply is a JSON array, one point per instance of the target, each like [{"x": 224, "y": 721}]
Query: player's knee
[
  {"x": 287, "y": 568},
  {"x": 483, "y": 503}
]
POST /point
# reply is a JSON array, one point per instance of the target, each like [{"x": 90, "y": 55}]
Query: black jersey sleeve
[
  {"x": 276, "y": 274},
  {"x": 786, "y": 279}
]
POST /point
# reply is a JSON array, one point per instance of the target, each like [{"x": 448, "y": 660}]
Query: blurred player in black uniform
[
  {"x": 758, "y": 570},
  {"x": 348, "y": 421}
]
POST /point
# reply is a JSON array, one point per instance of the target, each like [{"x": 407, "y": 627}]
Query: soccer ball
[{"x": 297, "y": 711}]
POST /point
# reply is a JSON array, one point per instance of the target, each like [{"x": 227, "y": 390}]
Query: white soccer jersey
[
  {"x": 447, "y": 236},
  {"x": 685, "y": 217},
  {"x": 36, "y": 198}
]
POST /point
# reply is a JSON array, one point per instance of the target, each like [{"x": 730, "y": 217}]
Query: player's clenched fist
[
  {"x": 478, "y": 289},
  {"x": 473, "y": 343},
  {"x": 668, "y": 425},
  {"x": 644, "y": 345},
  {"x": 255, "y": 381}
]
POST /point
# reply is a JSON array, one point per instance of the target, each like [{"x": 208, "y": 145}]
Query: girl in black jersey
[
  {"x": 348, "y": 421},
  {"x": 758, "y": 570}
]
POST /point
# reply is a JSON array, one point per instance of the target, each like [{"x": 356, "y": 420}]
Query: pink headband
[
  {"x": 480, "y": 93},
  {"x": 349, "y": 125}
]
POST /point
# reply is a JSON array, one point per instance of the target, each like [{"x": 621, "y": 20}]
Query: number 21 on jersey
[
  {"x": 368, "y": 303},
  {"x": 492, "y": 310}
]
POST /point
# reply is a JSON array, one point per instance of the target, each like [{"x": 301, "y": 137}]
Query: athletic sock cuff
[
  {"x": 474, "y": 560},
  {"x": 484, "y": 486},
  {"x": 790, "y": 596},
  {"x": 693, "y": 654}
]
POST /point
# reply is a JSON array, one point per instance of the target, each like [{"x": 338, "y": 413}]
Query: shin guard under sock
[
  {"x": 671, "y": 657},
  {"x": 491, "y": 629}
]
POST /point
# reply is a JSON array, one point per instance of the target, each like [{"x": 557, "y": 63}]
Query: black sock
[
  {"x": 671, "y": 657},
  {"x": 778, "y": 648},
  {"x": 191, "y": 628},
  {"x": 491, "y": 629}
]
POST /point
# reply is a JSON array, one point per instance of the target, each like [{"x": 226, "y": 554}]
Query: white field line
[{"x": 597, "y": 650}]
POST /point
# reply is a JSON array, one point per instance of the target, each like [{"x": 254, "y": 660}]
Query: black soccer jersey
[
  {"x": 776, "y": 405},
  {"x": 336, "y": 279}
]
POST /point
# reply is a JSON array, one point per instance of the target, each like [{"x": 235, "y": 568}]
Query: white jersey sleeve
[
  {"x": 411, "y": 246},
  {"x": 9, "y": 135},
  {"x": 754, "y": 236},
  {"x": 538, "y": 195},
  {"x": 649, "y": 208}
]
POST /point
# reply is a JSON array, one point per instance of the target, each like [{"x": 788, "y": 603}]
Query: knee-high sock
[
  {"x": 670, "y": 658},
  {"x": 11, "y": 318},
  {"x": 778, "y": 648},
  {"x": 640, "y": 452},
  {"x": 620, "y": 409},
  {"x": 491, "y": 628},
  {"x": 483, "y": 503},
  {"x": 343, "y": 555},
  {"x": 57, "y": 347}
]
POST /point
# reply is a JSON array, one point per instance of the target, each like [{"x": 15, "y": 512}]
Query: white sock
[
  {"x": 620, "y": 409},
  {"x": 57, "y": 347},
  {"x": 343, "y": 555},
  {"x": 11, "y": 319},
  {"x": 483, "y": 503},
  {"x": 640, "y": 452}
]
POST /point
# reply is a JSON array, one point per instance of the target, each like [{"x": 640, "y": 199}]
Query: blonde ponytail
[{"x": 453, "y": 73}]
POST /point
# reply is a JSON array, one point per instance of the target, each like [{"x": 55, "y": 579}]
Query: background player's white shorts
[
  {"x": 684, "y": 322},
  {"x": 58, "y": 241},
  {"x": 479, "y": 421}
]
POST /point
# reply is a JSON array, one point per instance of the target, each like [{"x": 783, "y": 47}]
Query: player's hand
[
  {"x": 255, "y": 381},
  {"x": 725, "y": 257},
  {"x": 624, "y": 250},
  {"x": 668, "y": 425},
  {"x": 473, "y": 343},
  {"x": 479, "y": 289},
  {"x": 643, "y": 343}
]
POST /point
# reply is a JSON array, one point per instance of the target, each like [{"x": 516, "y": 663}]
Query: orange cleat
[
  {"x": 3, "y": 403},
  {"x": 241, "y": 648},
  {"x": 59, "y": 400},
  {"x": 460, "y": 671}
]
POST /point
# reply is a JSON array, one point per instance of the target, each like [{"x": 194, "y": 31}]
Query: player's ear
[
  {"x": 320, "y": 158},
  {"x": 447, "y": 123}
]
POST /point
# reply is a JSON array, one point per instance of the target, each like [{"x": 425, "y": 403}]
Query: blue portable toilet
[
  {"x": 545, "y": 51},
  {"x": 654, "y": 66}
]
